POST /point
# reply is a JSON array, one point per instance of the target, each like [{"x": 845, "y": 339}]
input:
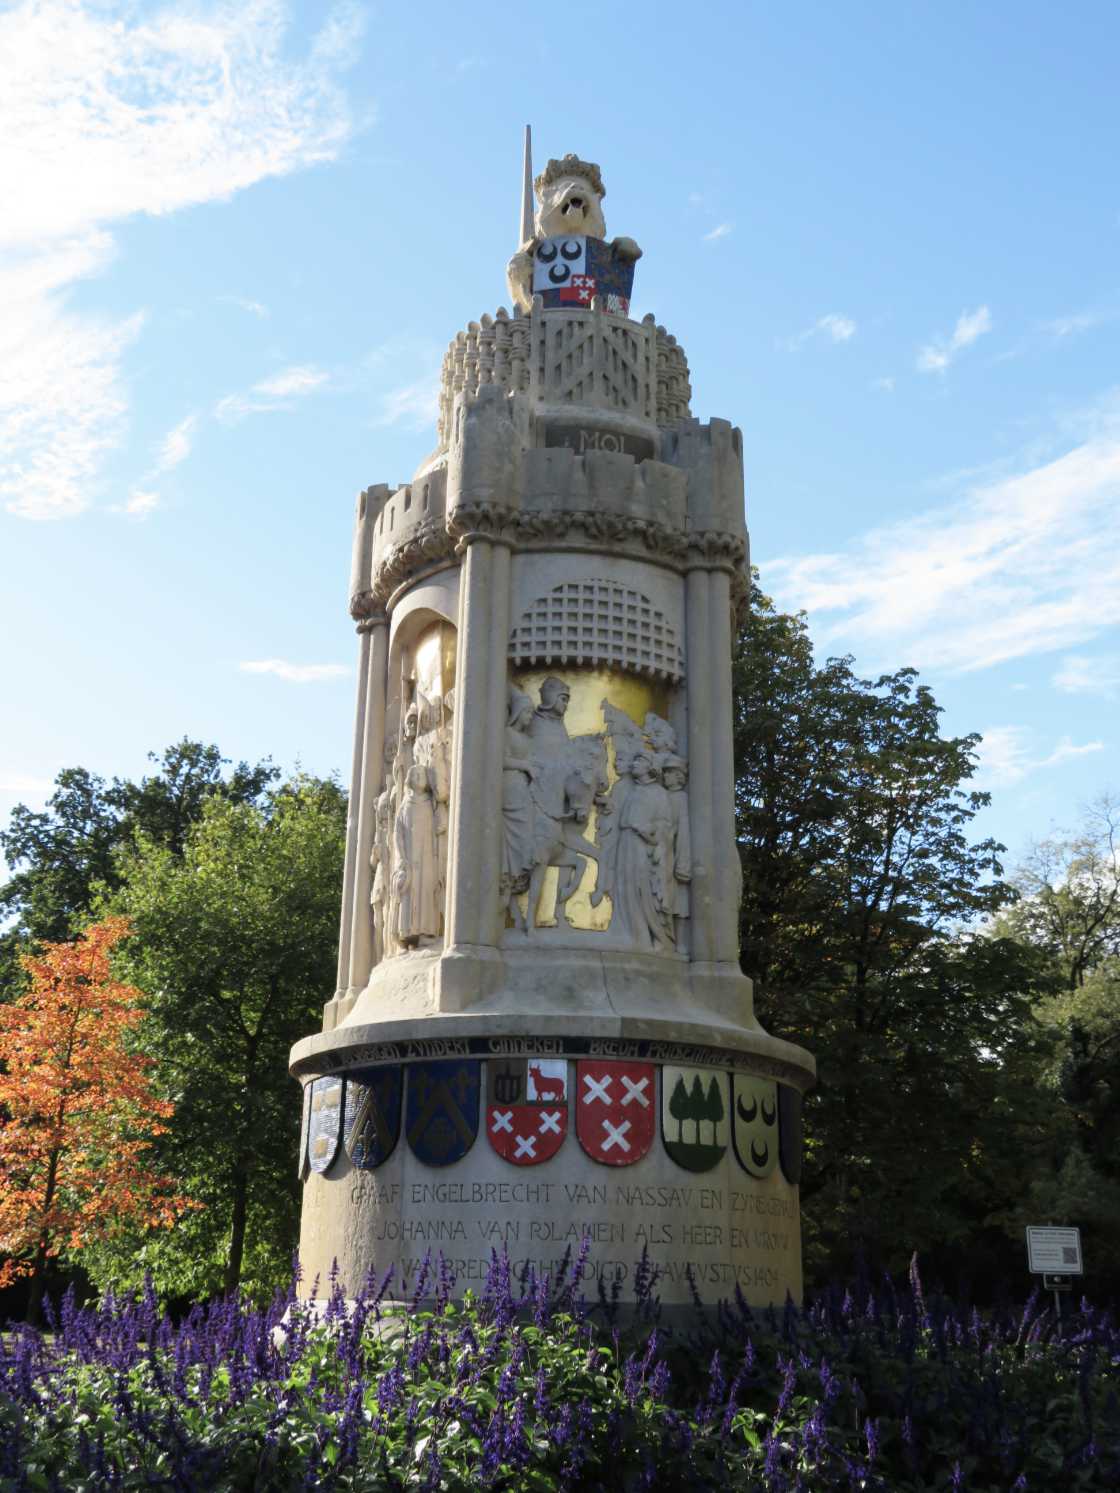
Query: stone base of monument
[{"x": 465, "y": 1135}]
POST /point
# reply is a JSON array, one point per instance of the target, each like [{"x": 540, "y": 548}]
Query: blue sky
[{"x": 235, "y": 240}]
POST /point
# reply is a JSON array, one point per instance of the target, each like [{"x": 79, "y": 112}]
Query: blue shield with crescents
[
  {"x": 568, "y": 270},
  {"x": 372, "y": 1121},
  {"x": 441, "y": 1109}
]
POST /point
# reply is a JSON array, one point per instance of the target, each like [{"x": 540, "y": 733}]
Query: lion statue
[{"x": 569, "y": 201}]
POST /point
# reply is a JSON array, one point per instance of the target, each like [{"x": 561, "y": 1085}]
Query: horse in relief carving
[{"x": 564, "y": 790}]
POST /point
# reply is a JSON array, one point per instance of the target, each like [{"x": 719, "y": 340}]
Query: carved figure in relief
[
  {"x": 564, "y": 777},
  {"x": 644, "y": 893},
  {"x": 381, "y": 862},
  {"x": 661, "y": 737},
  {"x": 569, "y": 194},
  {"x": 517, "y": 805},
  {"x": 433, "y": 753},
  {"x": 414, "y": 861},
  {"x": 674, "y": 776}
]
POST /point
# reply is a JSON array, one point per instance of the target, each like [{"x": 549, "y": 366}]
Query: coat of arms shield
[
  {"x": 527, "y": 1108},
  {"x": 325, "y": 1124},
  {"x": 694, "y": 1116},
  {"x": 790, "y": 1132},
  {"x": 568, "y": 270},
  {"x": 441, "y": 1109},
  {"x": 754, "y": 1129},
  {"x": 615, "y": 1109},
  {"x": 372, "y": 1115}
]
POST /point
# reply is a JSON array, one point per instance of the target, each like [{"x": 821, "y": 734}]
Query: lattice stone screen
[{"x": 597, "y": 622}]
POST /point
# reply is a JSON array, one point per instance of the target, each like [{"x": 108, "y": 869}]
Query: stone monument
[{"x": 541, "y": 1032}]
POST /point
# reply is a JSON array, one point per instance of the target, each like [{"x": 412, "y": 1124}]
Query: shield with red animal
[
  {"x": 616, "y": 1107},
  {"x": 526, "y": 1108}
]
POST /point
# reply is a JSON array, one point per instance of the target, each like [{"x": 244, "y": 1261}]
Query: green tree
[
  {"x": 713, "y": 1105},
  {"x": 1069, "y": 912},
  {"x": 62, "y": 854},
  {"x": 697, "y": 1104},
  {"x": 678, "y": 1107},
  {"x": 861, "y": 886},
  {"x": 234, "y": 944}
]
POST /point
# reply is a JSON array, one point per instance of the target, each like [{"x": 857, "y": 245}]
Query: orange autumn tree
[{"x": 77, "y": 1111}]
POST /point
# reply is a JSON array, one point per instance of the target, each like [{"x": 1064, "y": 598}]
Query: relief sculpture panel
[
  {"x": 595, "y": 821},
  {"x": 412, "y": 815}
]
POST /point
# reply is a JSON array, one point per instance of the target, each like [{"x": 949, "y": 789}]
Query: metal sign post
[{"x": 1055, "y": 1254}]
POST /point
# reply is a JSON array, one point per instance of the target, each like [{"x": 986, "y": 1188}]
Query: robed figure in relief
[
  {"x": 518, "y": 771},
  {"x": 415, "y": 867}
]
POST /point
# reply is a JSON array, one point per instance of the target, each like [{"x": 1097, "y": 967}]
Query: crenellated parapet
[{"x": 586, "y": 357}]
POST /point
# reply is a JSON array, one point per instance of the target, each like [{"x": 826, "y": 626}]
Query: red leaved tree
[{"x": 77, "y": 1112}]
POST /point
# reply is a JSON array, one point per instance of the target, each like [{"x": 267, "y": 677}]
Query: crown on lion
[{"x": 571, "y": 165}]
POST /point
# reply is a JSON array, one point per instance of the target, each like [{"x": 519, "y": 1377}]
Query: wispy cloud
[
  {"x": 936, "y": 356},
  {"x": 1015, "y": 566},
  {"x": 176, "y": 444},
  {"x": 109, "y": 111},
  {"x": 721, "y": 230},
  {"x": 274, "y": 393},
  {"x": 884, "y": 385},
  {"x": 254, "y": 308},
  {"x": 415, "y": 405},
  {"x": 833, "y": 326},
  {"x": 1080, "y": 321},
  {"x": 1079, "y": 675},
  {"x": 141, "y": 503},
  {"x": 293, "y": 673},
  {"x": 1006, "y": 756},
  {"x": 24, "y": 785}
]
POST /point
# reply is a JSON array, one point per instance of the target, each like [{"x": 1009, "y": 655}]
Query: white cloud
[
  {"x": 1079, "y": 675},
  {"x": 293, "y": 673},
  {"x": 254, "y": 308},
  {"x": 833, "y": 325},
  {"x": 417, "y": 404},
  {"x": 25, "y": 785},
  {"x": 109, "y": 110},
  {"x": 176, "y": 446},
  {"x": 884, "y": 385},
  {"x": 1069, "y": 326},
  {"x": 274, "y": 393},
  {"x": 721, "y": 230},
  {"x": 1005, "y": 755},
  {"x": 1016, "y": 566},
  {"x": 141, "y": 503},
  {"x": 936, "y": 356}
]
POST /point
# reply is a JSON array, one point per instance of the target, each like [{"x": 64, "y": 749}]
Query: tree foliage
[
  {"x": 78, "y": 1114},
  {"x": 62, "y": 854},
  {"x": 862, "y": 891},
  {"x": 234, "y": 946}
]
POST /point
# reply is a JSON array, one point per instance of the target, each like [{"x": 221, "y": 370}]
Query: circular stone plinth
[{"x": 463, "y": 1156}]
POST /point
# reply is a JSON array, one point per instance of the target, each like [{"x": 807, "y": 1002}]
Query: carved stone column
[
  {"x": 375, "y": 630},
  {"x": 343, "y": 978}
]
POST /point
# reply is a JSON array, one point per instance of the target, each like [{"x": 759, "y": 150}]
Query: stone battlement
[{"x": 567, "y": 356}]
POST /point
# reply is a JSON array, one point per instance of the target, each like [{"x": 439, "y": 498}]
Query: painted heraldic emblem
[
  {"x": 615, "y": 1109},
  {"x": 754, "y": 1127},
  {"x": 790, "y": 1132},
  {"x": 569, "y": 271},
  {"x": 526, "y": 1108},
  {"x": 441, "y": 1109},
  {"x": 325, "y": 1125},
  {"x": 694, "y": 1104},
  {"x": 372, "y": 1119}
]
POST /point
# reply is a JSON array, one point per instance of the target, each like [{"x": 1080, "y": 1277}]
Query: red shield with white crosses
[
  {"x": 526, "y": 1108},
  {"x": 616, "y": 1105}
]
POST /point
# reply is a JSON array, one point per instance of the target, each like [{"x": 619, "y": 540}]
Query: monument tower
[{"x": 541, "y": 1031}]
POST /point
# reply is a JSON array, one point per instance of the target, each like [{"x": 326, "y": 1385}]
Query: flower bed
[{"x": 528, "y": 1387}]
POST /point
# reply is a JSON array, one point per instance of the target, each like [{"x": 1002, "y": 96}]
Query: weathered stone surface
[{"x": 541, "y": 867}]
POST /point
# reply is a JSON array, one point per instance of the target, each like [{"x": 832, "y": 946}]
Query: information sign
[{"x": 1054, "y": 1251}]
